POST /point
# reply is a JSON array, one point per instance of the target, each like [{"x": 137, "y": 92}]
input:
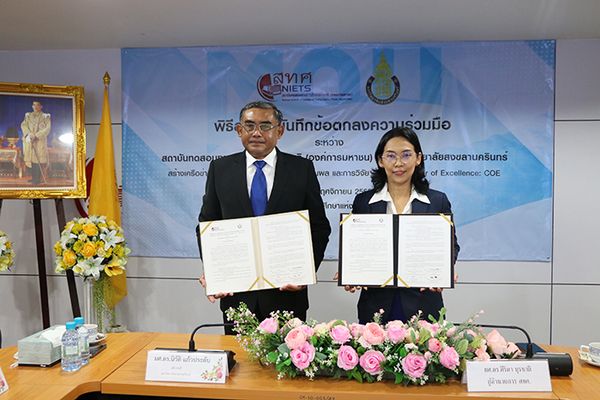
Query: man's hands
[{"x": 214, "y": 297}]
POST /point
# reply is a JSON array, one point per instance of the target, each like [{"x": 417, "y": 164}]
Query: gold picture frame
[{"x": 42, "y": 141}]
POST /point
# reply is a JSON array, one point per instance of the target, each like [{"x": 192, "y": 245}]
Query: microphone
[{"x": 560, "y": 364}]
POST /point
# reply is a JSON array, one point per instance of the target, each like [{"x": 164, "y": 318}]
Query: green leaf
[
  {"x": 272, "y": 356},
  {"x": 461, "y": 347},
  {"x": 320, "y": 356},
  {"x": 399, "y": 378},
  {"x": 283, "y": 349},
  {"x": 287, "y": 361},
  {"x": 357, "y": 375}
]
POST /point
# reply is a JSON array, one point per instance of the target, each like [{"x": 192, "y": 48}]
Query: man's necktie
[{"x": 258, "y": 190}]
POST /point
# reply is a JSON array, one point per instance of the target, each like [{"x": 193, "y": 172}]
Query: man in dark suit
[{"x": 264, "y": 180}]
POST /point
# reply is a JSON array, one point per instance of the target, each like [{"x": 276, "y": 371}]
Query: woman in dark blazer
[{"x": 400, "y": 187}]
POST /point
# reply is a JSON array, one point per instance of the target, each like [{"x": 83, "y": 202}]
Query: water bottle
[
  {"x": 70, "y": 349},
  {"x": 84, "y": 341}
]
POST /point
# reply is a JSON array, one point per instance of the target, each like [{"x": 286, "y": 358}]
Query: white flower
[
  {"x": 110, "y": 239},
  {"x": 3, "y": 240},
  {"x": 65, "y": 238}
]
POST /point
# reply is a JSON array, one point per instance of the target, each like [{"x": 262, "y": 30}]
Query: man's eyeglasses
[
  {"x": 391, "y": 158},
  {"x": 263, "y": 127}
]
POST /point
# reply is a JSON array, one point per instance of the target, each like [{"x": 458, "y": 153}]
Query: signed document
[
  {"x": 255, "y": 253},
  {"x": 406, "y": 250}
]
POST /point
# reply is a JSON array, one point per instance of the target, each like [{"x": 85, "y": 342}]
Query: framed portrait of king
[{"x": 42, "y": 141}]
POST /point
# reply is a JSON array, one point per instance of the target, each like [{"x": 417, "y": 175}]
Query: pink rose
[
  {"x": 433, "y": 328},
  {"x": 449, "y": 358},
  {"x": 373, "y": 333},
  {"x": 451, "y": 331},
  {"x": 269, "y": 325},
  {"x": 347, "y": 358},
  {"x": 303, "y": 356},
  {"x": 496, "y": 343},
  {"x": 427, "y": 356},
  {"x": 295, "y": 338},
  {"x": 356, "y": 330},
  {"x": 414, "y": 365},
  {"x": 321, "y": 328},
  {"x": 512, "y": 349},
  {"x": 434, "y": 345},
  {"x": 308, "y": 331},
  {"x": 481, "y": 355},
  {"x": 340, "y": 334},
  {"x": 371, "y": 361},
  {"x": 396, "y": 331}
]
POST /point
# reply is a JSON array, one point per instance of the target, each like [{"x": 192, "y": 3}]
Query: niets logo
[
  {"x": 383, "y": 87},
  {"x": 287, "y": 85}
]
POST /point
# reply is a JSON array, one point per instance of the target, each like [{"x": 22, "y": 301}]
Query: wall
[{"x": 164, "y": 294}]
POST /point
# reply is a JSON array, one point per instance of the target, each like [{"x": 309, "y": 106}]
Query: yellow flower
[
  {"x": 76, "y": 228},
  {"x": 77, "y": 246},
  {"x": 113, "y": 270},
  {"x": 100, "y": 244},
  {"x": 112, "y": 225},
  {"x": 89, "y": 250},
  {"x": 69, "y": 225},
  {"x": 102, "y": 225},
  {"x": 69, "y": 258},
  {"x": 8, "y": 245},
  {"x": 108, "y": 252},
  {"x": 119, "y": 251},
  {"x": 90, "y": 229},
  {"x": 58, "y": 248}
]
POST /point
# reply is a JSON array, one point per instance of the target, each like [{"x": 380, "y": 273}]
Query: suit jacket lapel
[
  {"x": 281, "y": 174},
  {"x": 418, "y": 207},
  {"x": 379, "y": 207},
  {"x": 239, "y": 183}
]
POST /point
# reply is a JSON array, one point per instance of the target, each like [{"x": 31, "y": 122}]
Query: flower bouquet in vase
[
  {"x": 95, "y": 249},
  {"x": 415, "y": 352},
  {"x": 7, "y": 254}
]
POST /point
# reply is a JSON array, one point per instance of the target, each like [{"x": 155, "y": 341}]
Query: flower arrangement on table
[
  {"x": 95, "y": 249},
  {"x": 7, "y": 254},
  {"x": 416, "y": 352}
]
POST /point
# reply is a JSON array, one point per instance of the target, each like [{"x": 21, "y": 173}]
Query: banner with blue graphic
[{"x": 484, "y": 112}]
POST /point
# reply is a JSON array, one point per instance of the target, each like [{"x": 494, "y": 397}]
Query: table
[
  {"x": 27, "y": 382},
  {"x": 120, "y": 369}
]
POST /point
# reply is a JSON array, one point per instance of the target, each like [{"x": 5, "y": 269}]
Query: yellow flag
[{"x": 104, "y": 195}]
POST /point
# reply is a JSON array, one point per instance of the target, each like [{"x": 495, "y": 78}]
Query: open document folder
[
  {"x": 406, "y": 250},
  {"x": 255, "y": 253}
]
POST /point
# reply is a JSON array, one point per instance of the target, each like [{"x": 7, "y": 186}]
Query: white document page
[
  {"x": 367, "y": 249},
  {"x": 286, "y": 249},
  {"x": 424, "y": 251},
  {"x": 228, "y": 255}
]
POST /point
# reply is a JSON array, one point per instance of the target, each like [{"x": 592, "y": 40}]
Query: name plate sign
[
  {"x": 203, "y": 366},
  {"x": 3, "y": 383},
  {"x": 508, "y": 376}
]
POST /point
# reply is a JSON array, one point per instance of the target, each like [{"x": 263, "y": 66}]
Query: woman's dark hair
[{"x": 378, "y": 176}]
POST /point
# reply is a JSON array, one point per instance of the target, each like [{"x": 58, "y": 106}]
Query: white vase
[{"x": 89, "y": 312}]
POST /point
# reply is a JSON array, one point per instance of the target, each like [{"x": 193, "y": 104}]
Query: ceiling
[{"x": 89, "y": 24}]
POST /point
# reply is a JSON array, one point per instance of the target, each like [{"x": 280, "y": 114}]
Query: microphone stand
[
  {"x": 529, "y": 349},
  {"x": 559, "y": 364},
  {"x": 192, "y": 344}
]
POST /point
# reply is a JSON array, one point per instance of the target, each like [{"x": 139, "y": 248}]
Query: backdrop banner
[{"x": 484, "y": 112}]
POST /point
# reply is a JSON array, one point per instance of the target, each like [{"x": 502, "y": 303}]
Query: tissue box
[{"x": 42, "y": 348}]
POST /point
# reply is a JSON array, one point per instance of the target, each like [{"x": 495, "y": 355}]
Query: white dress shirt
[
  {"x": 384, "y": 195},
  {"x": 268, "y": 170}
]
